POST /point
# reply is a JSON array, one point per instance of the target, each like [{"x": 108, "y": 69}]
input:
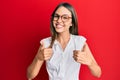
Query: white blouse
[{"x": 62, "y": 65}]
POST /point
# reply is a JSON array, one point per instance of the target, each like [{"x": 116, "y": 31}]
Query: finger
[
  {"x": 83, "y": 48},
  {"x": 46, "y": 57},
  {"x": 47, "y": 52},
  {"x": 42, "y": 45},
  {"x": 76, "y": 59},
  {"x": 80, "y": 61},
  {"x": 48, "y": 49},
  {"x": 75, "y": 55},
  {"x": 74, "y": 52}
]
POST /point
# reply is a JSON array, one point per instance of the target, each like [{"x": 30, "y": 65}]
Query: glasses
[{"x": 64, "y": 17}]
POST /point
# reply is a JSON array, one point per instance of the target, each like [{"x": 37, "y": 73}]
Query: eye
[
  {"x": 65, "y": 17},
  {"x": 56, "y": 15}
]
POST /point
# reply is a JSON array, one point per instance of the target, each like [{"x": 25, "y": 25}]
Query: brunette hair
[{"x": 73, "y": 29}]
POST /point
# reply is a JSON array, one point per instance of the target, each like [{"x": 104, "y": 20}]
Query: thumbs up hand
[
  {"x": 82, "y": 57},
  {"x": 44, "y": 53}
]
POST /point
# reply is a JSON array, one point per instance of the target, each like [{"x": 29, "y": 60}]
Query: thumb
[{"x": 42, "y": 45}]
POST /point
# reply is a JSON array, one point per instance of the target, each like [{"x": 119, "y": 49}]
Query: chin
[{"x": 58, "y": 31}]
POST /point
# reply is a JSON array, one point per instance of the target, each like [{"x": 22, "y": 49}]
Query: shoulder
[
  {"x": 79, "y": 37},
  {"x": 79, "y": 41},
  {"x": 46, "y": 41}
]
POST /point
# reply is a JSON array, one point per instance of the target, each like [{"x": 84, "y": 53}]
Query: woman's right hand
[{"x": 44, "y": 53}]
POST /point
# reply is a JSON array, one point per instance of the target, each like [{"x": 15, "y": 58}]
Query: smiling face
[{"x": 62, "y": 20}]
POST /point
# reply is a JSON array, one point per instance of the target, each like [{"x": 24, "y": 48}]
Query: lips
[{"x": 59, "y": 26}]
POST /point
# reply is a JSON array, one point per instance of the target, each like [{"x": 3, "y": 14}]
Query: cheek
[
  {"x": 67, "y": 27},
  {"x": 68, "y": 24}
]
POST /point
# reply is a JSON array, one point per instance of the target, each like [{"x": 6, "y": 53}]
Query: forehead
[{"x": 62, "y": 10}]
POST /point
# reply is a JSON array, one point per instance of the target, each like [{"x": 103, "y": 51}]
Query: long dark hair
[{"x": 73, "y": 29}]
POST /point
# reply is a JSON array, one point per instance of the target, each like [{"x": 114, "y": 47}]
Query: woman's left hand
[
  {"x": 85, "y": 57},
  {"x": 82, "y": 57}
]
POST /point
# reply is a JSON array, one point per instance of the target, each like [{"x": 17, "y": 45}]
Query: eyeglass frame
[{"x": 58, "y": 16}]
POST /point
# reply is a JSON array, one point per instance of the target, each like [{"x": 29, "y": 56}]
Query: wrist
[
  {"x": 38, "y": 58},
  {"x": 91, "y": 64}
]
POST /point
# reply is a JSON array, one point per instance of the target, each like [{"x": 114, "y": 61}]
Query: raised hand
[
  {"x": 44, "y": 53},
  {"x": 82, "y": 57}
]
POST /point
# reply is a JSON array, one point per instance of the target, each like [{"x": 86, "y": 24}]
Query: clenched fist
[
  {"x": 44, "y": 53},
  {"x": 82, "y": 57}
]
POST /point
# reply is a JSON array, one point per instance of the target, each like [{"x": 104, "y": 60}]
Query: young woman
[{"x": 64, "y": 51}]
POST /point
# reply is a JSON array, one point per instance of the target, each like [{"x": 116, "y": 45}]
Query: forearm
[
  {"x": 95, "y": 69},
  {"x": 34, "y": 68}
]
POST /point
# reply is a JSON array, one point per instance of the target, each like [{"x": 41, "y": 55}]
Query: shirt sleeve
[{"x": 46, "y": 42}]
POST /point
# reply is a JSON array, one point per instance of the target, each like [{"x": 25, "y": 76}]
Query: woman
[{"x": 65, "y": 51}]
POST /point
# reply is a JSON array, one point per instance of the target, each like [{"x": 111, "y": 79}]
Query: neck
[{"x": 63, "y": 37}]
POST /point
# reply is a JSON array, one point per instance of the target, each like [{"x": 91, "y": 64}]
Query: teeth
[{"x": 59, "y": 26}]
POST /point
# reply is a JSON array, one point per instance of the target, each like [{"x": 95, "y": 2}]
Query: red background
[{"x": 23, "y": 23}]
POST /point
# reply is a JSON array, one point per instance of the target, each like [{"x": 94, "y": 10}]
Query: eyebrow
[{"x": 60, "y": 15}]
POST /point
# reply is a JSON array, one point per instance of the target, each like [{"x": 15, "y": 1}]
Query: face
[{"x": 62, "y": 20}]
